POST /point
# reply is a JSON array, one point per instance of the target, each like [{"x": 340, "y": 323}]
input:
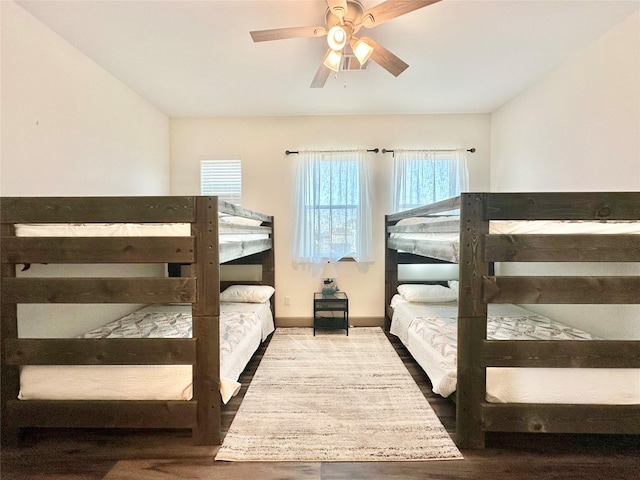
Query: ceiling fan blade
[
  {"x": 321, "y": 76},
  {"x": 391, "y": 9},
  {"x": 387, "y": 60},
  {"x": 338, "y": 8},
  {"x": 283, "y": 33}
]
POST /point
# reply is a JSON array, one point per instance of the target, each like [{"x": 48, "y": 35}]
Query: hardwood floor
[{"x": 142, "y": 455}]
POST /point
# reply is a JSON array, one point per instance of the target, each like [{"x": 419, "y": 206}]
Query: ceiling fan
[{"x": 344, "y": 18}]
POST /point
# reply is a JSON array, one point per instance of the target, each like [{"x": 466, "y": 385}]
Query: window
[
  {"x": 422, "y": 177},
  {"x": 222, "y": 178},
  {"x": 333, "y": 216}
]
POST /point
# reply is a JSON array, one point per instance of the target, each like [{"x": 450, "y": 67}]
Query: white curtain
[
  {"x": 426, "y": 176},
  {"x": 333, "y": 207}
]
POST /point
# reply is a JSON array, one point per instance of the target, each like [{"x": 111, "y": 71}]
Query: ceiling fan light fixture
[
  {"x": 343, "y": 19},
  {"x": 337, "y": 38},
  {"x": 362, "y": 50},
  {"x": 332, "y": 60}
]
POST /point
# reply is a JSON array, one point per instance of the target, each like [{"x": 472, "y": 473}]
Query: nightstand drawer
[
  {"x": 329, "y": 322},
  {"x": 330, "y": 304}
]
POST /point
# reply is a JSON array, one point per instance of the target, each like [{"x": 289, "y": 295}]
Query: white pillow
[
  {"x": 396, "y": 300},
  {"x": 453, "y": 284},
  {"x": 427, "y": 293},
  {"x": 247, "y": 294}
]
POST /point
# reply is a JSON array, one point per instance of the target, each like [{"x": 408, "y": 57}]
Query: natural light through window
[
  {"x": 333, "y": 208},
  {"x": 423, "y": 177},
  {"x": 222, "y": 178}
]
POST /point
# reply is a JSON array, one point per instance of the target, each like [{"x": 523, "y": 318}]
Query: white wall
[
  {"x": 268, "y": 180},
  {"x": 70, "y": 128},
  {"x": 578, "y": 130}
]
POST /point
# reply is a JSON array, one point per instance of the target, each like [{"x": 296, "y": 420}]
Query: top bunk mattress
[
  {"x": 138, "y": 229},
  {"x": 444, "y": 245}
]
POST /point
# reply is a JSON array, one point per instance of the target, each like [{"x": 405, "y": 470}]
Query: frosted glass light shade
[
  {"x": 362, "y": 51},
  {"x": 332, "y": 60},
  {"x": 337, "y": 38}
]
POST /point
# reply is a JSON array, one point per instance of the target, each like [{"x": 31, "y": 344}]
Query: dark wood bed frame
[
  {"x": 480, "y": 287},
  {"x": 200, "y": 287}
]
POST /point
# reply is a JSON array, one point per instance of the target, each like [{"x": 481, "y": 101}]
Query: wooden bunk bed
[
  {"x": 478, "y": 250},
  {"x": 201, "y": 249}
]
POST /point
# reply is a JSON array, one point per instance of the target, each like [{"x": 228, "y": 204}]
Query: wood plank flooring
[{"x": 142, "y": 455}]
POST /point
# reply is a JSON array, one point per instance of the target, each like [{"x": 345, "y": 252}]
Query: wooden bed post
[
  {"x": 10, "y": 382},
  {"x": 390, "y": 274},
  {"x": 206, "y": 321},
  {"x": 268, "y": 270},
  {"x": 472, "y": 322}
]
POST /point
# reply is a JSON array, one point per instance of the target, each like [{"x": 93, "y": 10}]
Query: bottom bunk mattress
[
  {"x": 429, "y": 331},
  {"x": 243, "y": 327}
]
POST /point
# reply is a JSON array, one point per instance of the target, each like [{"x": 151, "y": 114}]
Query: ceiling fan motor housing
[{"x": 352, "y": 17}]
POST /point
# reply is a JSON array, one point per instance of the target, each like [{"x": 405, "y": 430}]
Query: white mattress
[
  {"x": 444, "y": 245},
  {"x": 512, "y": 227},
  {"x": 131, "y": 230},
  {"x": 243, "y": 326},
  {"x": 429, "y": 331}
]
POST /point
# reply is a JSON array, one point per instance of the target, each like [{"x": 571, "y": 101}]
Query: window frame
[
  {"x": 316, "y": 196},
  {"x": 229, "y": 172}
]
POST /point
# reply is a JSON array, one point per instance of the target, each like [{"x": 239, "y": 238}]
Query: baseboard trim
[{"x": 308, "y": 322}]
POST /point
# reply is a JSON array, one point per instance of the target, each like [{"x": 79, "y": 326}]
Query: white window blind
[{"x": 222, "y": 178}]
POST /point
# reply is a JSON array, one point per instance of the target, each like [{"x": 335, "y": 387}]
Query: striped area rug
[{"x": 336, "y": 398}]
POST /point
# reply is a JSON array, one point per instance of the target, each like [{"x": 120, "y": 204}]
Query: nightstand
[{"x": 330, "y": 311}]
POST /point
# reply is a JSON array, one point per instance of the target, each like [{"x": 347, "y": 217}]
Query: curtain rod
[
  {"x": 470, "y": 150},
  {"x": 295, "y": 152}
]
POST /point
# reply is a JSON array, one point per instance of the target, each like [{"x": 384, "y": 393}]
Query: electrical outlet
[{"x": 287, "y": 300}]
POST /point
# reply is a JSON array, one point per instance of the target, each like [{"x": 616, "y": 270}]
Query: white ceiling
[{"x": 196, "y": 58}]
